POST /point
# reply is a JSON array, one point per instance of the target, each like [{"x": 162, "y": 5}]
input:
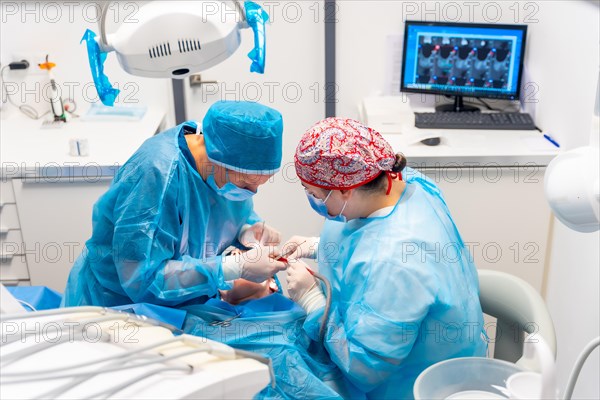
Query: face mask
[
  {"x": 320, "y": 208},
  {"x": 229, "y": 190}
]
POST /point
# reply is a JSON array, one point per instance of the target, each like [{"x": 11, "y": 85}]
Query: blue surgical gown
[
  {"x": 405, "y": 293},
  {"x": 158, "y": 232},
  {"x": 273, "y": 326}
]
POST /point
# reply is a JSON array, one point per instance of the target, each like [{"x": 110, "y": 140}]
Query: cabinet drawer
[
  {"x": 12, "y": 243},
  {"x": 9, "y": 218},
  {"x": 7, "y": 194},
  {"x": 16, "y": 283},
  {"x": 13, "y": 268}
]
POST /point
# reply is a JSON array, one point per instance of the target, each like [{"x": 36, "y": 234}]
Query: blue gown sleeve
[
  {"x": 375, "y": 323},
  {"x": 253, "y": 218},
  {"x": 146, "y": 240}
]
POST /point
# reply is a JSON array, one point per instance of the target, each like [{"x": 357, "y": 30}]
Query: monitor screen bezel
[{"x": 488, "y": 95}]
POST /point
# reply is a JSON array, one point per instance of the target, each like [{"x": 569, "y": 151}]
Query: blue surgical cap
[{"x": 244, "y": 136}]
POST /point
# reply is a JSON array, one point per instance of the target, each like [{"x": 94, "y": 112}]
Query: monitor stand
[{"x": 458, "y": 106}]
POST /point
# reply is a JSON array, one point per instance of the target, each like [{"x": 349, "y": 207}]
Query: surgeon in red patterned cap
[
  {"x": 404, "y": 287},
  {"x": 341, "y": 154}
]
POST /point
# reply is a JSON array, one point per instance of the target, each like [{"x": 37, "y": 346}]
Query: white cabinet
[
  {"x": 7, "y": 195},
  {"x": 9, "y": 217},
  {"x": 13, "y": 266},
  {"x": 45, "y": 228},
  {"x": 13, "y": 269},
  {"x": 56, "y": 220}
]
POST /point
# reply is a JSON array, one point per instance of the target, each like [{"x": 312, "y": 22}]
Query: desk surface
[
  {"x": 28, "y": 150},
  {"x": 394, "y": 118}
]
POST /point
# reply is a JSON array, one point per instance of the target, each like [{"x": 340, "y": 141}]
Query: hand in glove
[
  {"x": 302, "y": 247},
  {"x": 257, "y": 264},
  {"x": 259, "y": 233},
  {"x": 303, "y": 288}
]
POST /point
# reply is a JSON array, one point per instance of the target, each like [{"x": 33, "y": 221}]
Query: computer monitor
[{"x": 463, "y": 59}]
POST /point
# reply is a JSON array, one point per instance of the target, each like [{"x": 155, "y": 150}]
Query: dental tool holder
[{"x": 92, "y": 352}]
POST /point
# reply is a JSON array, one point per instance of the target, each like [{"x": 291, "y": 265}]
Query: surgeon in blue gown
[
  {"x": 404, "y": 287},
  {"x": 184, "y": 197}
]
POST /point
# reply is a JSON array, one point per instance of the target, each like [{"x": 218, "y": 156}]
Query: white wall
[
  {"x": 362, "y": 27},
  {"x": 33, "y": 29},
  {"x": 563, "y": 60}
]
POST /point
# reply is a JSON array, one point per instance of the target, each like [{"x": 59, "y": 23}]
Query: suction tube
[{"x": 327, "y": 310}]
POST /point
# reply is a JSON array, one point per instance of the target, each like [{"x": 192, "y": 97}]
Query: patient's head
[{"x": 243, "y": 290}]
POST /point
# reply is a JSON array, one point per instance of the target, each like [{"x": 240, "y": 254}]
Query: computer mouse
[{"x": 434, "y": 141}]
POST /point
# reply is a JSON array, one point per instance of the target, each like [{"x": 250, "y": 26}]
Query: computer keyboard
[{"x": 475, "y": 120}]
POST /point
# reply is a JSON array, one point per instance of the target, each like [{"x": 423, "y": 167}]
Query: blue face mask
[
  {"x": 320, "y": 208},
  {"x": 229, "y": 190}
]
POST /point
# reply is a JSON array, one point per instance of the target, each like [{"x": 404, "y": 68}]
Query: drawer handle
[
  {"x": 67, "y": 179},
  {"x": 10, "y": 283},
  {"x": 4, "y": 230},
  {"x": 6, "y": 257}
]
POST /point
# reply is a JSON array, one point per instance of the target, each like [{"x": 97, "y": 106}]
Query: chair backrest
[{"x": 519, "y": 310}]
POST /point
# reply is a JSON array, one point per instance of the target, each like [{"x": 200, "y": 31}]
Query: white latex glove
[
  {"x": 259, "y": 233},
  {"x": 257, "y": 264},
  {"x": 304, "y": 288},
  {"x": 303, "y": 247}
]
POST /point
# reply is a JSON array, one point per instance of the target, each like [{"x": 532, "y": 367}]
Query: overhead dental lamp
[{"x": 173, "y": 39}]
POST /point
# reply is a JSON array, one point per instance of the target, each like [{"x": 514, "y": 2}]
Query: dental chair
[{"x": 519, "y": 310}]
